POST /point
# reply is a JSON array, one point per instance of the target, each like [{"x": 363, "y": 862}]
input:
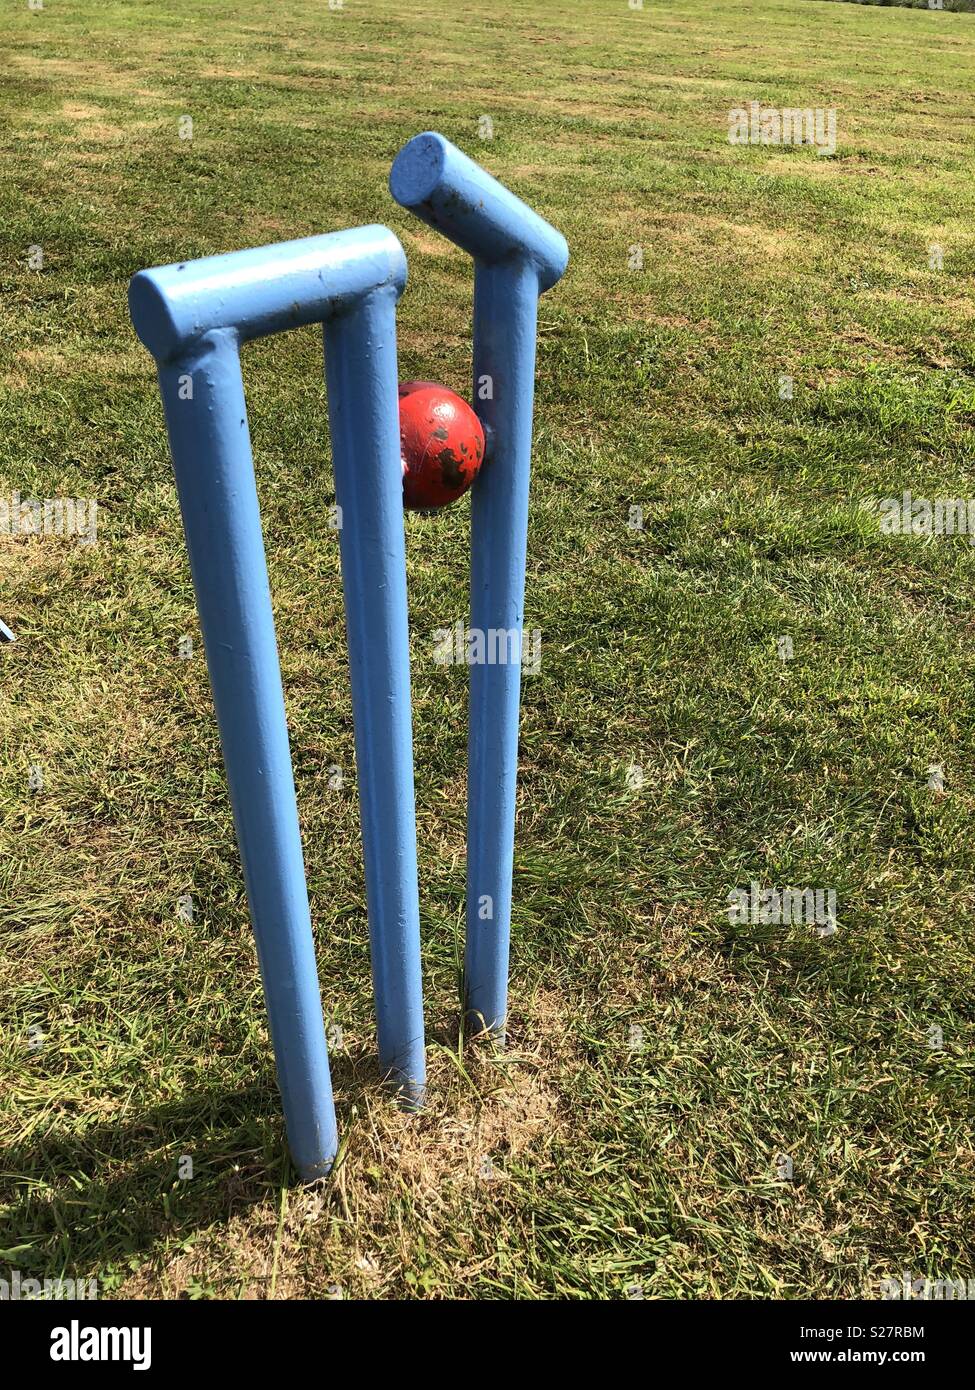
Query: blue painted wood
[
  {"x": 193, "y": 318},
  {"x": 517, "y": 256}
]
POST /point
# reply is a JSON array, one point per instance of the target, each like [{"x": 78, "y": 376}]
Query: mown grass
[{"x": 662, "y": 1058}]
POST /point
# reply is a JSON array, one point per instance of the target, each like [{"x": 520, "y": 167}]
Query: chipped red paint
[{"x": 442, "y": 443}]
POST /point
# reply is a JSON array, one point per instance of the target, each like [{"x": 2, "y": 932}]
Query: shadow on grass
[{"x": 78, "y": 1204}]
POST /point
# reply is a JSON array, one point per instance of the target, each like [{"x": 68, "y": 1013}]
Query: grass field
[{"x": 664, "y": 1060}]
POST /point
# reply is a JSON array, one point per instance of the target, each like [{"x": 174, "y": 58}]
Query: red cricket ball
[{"x": 442, "y": 443}]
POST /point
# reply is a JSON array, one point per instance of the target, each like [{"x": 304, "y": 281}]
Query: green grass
[
  {"x": 958, "y": 5},
  {"x": 610, "y": 1165}
]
